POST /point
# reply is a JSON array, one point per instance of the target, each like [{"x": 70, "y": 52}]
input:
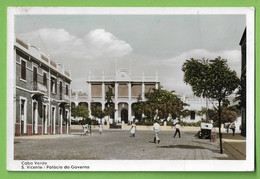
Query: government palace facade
[{"x": 126, "y": 89}]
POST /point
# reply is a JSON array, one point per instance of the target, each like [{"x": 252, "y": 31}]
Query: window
[
  {"x": 60, "y": 87},
  {"x": 35, "y": 78},
  {"x": 67, "y": 89},
  {"x": 44, "y": 79},
  {"x": 53, "y": 85},
  {"x": 192, "y": 115},
  {"x": 23, "y": 69}
]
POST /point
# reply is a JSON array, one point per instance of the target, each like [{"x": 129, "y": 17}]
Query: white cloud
[
  {"x": 96, "y": 44},
  {"x": 171, "y": 75}
]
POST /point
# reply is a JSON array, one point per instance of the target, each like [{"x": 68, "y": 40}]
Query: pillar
[
  {"x": 129, "y": 111},
  {"x": 129, "y": 91},
  {"x": 103, "y": 92},
  {"x": 143, "y": 90},
  {"x": 116, "y": 91},
  {"x": 116, "y": 111},
  {"x": 89, "y": 98}
]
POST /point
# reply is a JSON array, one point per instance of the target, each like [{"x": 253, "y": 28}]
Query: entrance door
[
  {"x": 61, "y": 120},
  {"x": 23, "y": 116},
  {"x": 35, "y": 118},
  {"x": 53, "y": 112},
  {"x": 66, "y": 121},
  {"x": 124, "y": 115},
  {"x": 44, "y": 117}
]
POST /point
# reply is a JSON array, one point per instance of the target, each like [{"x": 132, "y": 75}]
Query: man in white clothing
[
  {"x": 177, "y": 127},
  {"x": 156, "y": 129}
]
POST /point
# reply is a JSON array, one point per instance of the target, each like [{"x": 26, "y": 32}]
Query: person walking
[
  {"x": 177, "y": 130},
  {"x": 100, "y": 129},
  {"x": 132, "y": 130},
  {"x": 233, "y": 128},
  {"x": 156, "y": 129}
]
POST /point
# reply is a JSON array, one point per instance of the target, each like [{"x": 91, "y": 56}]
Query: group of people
[
  {"x": 156, "y": 129},
  {"x": 87, "y": 129}
]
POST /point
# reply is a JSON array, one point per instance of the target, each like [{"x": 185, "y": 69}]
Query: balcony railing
[
  {"x": 65, "y": 97},
  {"x": 39, "y": 87}
]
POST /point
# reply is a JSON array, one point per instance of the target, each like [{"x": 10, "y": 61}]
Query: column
[
  {"x": 103, "y": 88},
  {"x": 156, "y": 78},
  {"x": 49, "y": 107},
  {"x": 89, "y": 91},
  {"x": 103, "y": 92},
  {"x": 116, "y": 111},
  {"x": 116, "y": 103},
  {"x": 129, "y": 91},
  {"x": 89, "y": 98},
  {"x": 143, "y": 90},
  {"x": 130, "y": 111},
  {"x": 156, "y": 85},
  {"x": 116, "y": 91},
  {"x": 103, "y": 105}
]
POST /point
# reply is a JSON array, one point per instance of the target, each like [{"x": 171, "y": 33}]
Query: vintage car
[{"x": 205, "y": 130}]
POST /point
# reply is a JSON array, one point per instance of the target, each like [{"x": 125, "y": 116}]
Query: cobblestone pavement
[{"x": 118, "y": 145}]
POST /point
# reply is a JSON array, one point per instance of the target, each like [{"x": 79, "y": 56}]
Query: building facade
[
  {"x": 41, "y": 93},
  {"x": 243, "y": 83},
  {"x": 195, "y": 104},
  {"x": 126, "y": 89}
]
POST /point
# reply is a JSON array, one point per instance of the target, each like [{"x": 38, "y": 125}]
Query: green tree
[
  {"x": 80, "y": 111},
  {"x": 110, "y": 106},
  {"x": 159, "y": 103},
  {"x": 227, "y": 115},
  {"x": 96, "y": 111},
  {"x": 211, "y": 79}
]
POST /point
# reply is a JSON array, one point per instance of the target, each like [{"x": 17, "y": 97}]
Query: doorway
[{"x": 124, "y": 115}]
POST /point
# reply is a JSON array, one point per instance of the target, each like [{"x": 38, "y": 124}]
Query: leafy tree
[
  {"x": 227, "y": 115},
  {"x": 110, "y": 106},
  {"x": 211, "y": 79},
  {"x": 159, "y": 103},
  {"x": 80, "y": 111},
  {"x": 96, "y": 111}
]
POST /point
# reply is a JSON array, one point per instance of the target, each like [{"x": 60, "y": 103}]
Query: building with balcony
[
  {"x": 126, "y": 89},
  {"x": 41, "y": 94}
]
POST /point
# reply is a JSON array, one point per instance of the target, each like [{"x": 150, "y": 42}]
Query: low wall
[
  {"x": 146, "y": 128},
  {"x": 79, "y": 127}
]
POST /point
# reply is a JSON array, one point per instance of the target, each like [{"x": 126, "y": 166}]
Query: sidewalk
[{"x": 235, "y": 145}]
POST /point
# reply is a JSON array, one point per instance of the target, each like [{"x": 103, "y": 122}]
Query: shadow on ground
[{"x": 182, "y": 147}]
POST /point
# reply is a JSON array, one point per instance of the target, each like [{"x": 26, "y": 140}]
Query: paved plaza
[{"x": 117, "y": 145}]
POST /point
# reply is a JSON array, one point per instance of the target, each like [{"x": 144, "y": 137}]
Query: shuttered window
[
  {"x": 44, "y": 79},
  {"x": 23, "y": 70}
]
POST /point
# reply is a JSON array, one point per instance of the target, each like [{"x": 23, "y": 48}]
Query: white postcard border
[{"x": 132, "y": 165}]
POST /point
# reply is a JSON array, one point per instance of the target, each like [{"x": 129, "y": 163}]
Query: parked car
[{"x": 205, "y": 130}]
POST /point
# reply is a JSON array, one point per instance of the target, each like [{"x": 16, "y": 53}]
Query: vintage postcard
[{"x": 130, "y": 89}]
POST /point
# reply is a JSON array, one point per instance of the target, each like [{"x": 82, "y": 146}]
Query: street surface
[{"x": 117, "y": 145}]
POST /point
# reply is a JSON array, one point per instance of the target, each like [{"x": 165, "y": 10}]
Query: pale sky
[{"x": 161, "y": 43}]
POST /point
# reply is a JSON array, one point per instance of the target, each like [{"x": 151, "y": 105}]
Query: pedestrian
[
  {"x": 177, "y": 130},
  {"x": 132, "y": 130},
  {"x": 156, "y": 129},
  {"x": 228, "y": 126},
  {"x": 100, "y": 129},
  {"x": 233, "y": 128},
  {"x": 85, "y": 129}
]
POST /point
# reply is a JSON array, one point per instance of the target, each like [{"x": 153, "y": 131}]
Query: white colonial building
[
  {"x": 126, "y": 89},
  {"x": 195, "y": 104}
]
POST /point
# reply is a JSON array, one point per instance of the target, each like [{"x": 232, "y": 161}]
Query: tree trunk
[{"x": 219, "y": 126}]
